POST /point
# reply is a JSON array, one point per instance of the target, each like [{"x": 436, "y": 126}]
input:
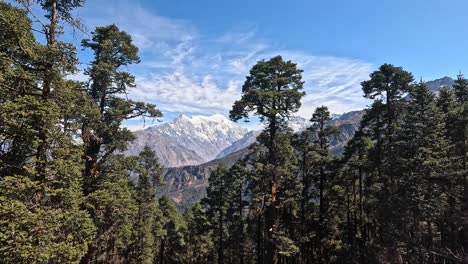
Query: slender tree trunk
[
  {"x": 41, "y": 154},
  {"x": 260, "y": 240},
  {"x": 465, "y": 192},
  {"x": 220, "y": 246},
  {"x": 271, "y": 214},
  {"x": 241, "y": 226},
  {"x": 161, "y": 251},
  {"x": 321, "y": 211},
  {"x": 305, "y": 185},
  {"x": 361, "y": 206}
]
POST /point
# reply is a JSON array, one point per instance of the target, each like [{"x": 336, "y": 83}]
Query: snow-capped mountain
[
  {"x": 297, "y": 123},
  {"x": 188, "y": 140},
  {"x": 186, "y": 185}
]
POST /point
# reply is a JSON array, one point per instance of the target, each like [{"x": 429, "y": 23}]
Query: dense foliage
[{"x": 398, "y": 194}]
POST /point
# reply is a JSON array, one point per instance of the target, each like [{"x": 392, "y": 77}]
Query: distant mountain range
[
  {"x": 199, "y": 139},
  {"x": 191, "y": 147},
  {"x": 188, "y": 140},
  {"x": 438, "y": 84},
  {"x": 187, "y": 184}
]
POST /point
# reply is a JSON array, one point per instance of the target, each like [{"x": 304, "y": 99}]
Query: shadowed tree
[
  {"x": 272, "y": 92},
  {"x": 41, "y": 215},
  {"x": 108, "y": 83}
]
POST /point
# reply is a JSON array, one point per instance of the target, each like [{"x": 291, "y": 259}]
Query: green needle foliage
[{"x": 398, "y": 193}]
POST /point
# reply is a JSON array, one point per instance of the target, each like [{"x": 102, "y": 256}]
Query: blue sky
[{"x": 196, "y": 53}]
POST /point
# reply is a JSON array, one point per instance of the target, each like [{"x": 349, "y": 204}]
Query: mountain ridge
[
  {"x": 188, "y": 140},
  {"x": 186, "y": 184}
]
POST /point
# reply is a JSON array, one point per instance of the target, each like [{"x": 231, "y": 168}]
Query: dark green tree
[
  {"x": 236, "y": 180},
  {"x": 41, "y": 216},
  {"x": 216, "y": 202},
  {"x": 108, "y": 81},
  {"x": 459, "y": 137},
  {"x": 272, "y": 91},
  {"x": 357, "y": 183},
  {"x": 114, "y": 211},
  {"x": 425, "y": 164},
  {"x": 389, "y": 84},
  {"x": 325, "y": 132},
  {"x": 199, "y": 243},
  {"x": 142, "y": 249},
  {"x": 172, "y": 239}
]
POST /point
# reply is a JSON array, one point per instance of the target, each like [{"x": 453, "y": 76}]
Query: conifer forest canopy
[{"x": 397, "y": 194}]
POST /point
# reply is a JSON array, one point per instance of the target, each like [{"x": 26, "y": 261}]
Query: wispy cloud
[{"x": 183, "y": 70}]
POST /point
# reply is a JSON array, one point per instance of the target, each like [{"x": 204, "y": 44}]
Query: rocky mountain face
[
  {"x": 436, "y": 85},
  {"x": 188, "y": 140},
  {"x": 187, "y": 185},
  {"x": 347, "y": 124}
]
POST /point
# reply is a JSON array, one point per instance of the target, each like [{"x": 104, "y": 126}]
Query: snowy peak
[
  {"x": 204, "y": 128},
  {"x": 297, "y": 123},
  {"x": 188, "y": 140}
]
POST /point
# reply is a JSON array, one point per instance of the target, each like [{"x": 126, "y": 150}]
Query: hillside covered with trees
[{"x": 398, "y": 194}]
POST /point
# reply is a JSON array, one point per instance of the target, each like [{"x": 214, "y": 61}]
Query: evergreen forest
[{"x": 398, "y": 193}]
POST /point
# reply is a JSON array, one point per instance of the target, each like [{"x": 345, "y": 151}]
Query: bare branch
[{"x": 27, "y": 6}]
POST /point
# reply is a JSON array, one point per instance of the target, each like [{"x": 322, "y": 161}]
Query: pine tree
[
  {"x": 388, "y": 85},
  {"x": 41, "y": 216},
  {"x": 357, "y": 184},
  {"x": 460, "y": 139},
  {"x": 424, "y": 152},
  {"x": 272, "y": 91},
  {"x": 225, "y": 205},
  {"x": 18, "y": 94},
  {"x": 142, "y": 249},
  {"x": 107, "y": 176},
  {"x": 113, "y": 210},
  {"x": 391, "y": 84},
  {"x": 236, "y": 182},
  {"x": 216, "y": 203},
  {"x": 101, "y": 132},
  {"x": 199, "y": 243},
  {"x": 56, "y": 59},
  {"x": 324, "y": 132},
  {"x": 172, "y": 240},
  {"x": 308, "y": 161}
]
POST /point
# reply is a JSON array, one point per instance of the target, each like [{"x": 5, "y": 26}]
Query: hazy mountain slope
[
  {"x": 246, "y": 141},
  {"x": 187, "y": 185}
]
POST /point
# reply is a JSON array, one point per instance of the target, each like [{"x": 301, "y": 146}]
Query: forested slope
[{"x": 397, "y": 194}]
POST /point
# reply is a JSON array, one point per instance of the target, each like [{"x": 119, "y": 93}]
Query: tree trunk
[
  {"x": 259, "y": 240},
  {"x": 465, "y": 193},
  {"x": 220, "y": 246},
  {"x": 161, "y": 251},
  {"x": 241, "y": 226}
]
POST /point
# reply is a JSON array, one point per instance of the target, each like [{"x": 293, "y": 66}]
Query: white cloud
[
  {"x": 185, "y": 71},
  {"x": 152, "y": 33},
  {"x": 178, "y": 93}
]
